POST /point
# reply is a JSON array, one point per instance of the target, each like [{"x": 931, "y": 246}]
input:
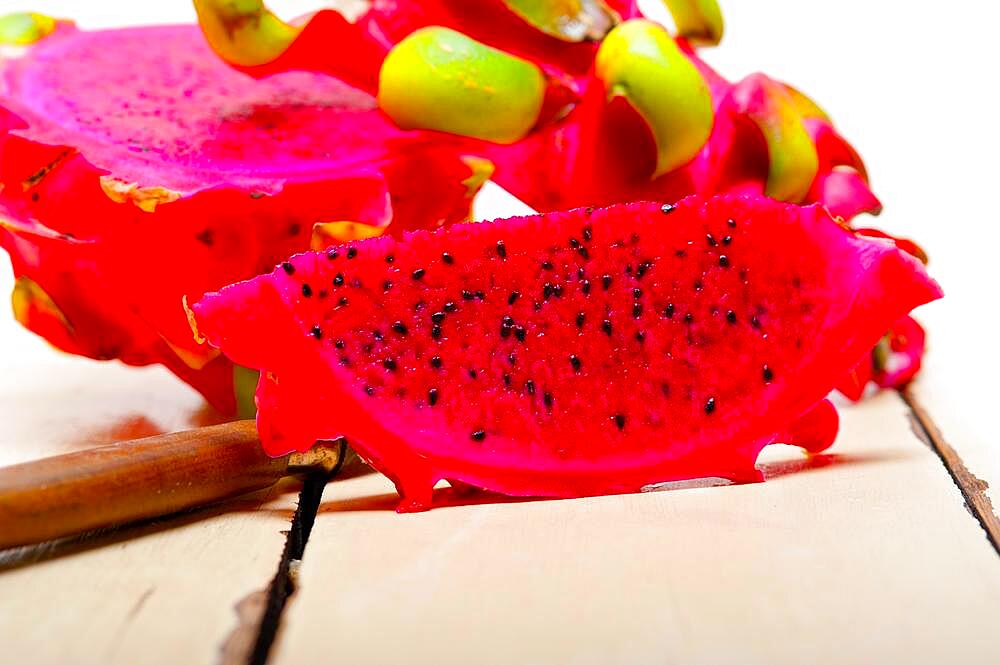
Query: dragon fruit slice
[
  {"x": 585, "y": 352},
  {"x": 127, "y": 189}
]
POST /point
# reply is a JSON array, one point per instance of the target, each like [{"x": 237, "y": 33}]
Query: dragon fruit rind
[
  {"x": 567, "y": 354},
  {"x": 126, "y": 189}
]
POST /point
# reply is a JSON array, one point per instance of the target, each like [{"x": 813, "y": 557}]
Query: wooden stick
[{"x": 134, "y": 480}]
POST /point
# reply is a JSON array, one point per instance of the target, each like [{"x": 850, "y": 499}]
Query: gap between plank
[
  {"x": 282, "y": 585},
  {"x": 972, "y": 488}
]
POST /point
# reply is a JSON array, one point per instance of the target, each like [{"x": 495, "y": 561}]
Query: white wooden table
[{"x": 878, "y": 551}]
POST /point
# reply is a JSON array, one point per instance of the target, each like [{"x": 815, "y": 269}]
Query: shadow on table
[{"x": 450, "y": 497}]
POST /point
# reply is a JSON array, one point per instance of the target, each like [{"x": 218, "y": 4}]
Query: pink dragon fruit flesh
[
  {"x": 584, "y": 352},
  {"x": 138, "y": 170}
]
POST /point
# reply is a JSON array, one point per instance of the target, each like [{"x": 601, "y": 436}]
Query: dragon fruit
[
  {"x": 127, "y": 189},
  {"x": 619, "y": 111},
  {"x": 576, "y": 353}
]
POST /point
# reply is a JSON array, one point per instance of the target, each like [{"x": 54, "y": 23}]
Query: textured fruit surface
[
  {"x": 584, "y": 352},
  {"x": 127, "y": 189}
]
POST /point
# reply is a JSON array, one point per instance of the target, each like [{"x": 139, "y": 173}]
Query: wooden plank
[
  {"x": 864, "y": 554},
  {"x": 110, "y": 599}
]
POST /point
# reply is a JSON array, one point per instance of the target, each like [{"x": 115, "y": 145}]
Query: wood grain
[{"x": 865, "y": 554}]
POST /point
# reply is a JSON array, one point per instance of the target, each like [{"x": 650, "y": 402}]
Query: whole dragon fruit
[
  {"x": 125, "y": 190},
  {"x": 578, "y": 103}
]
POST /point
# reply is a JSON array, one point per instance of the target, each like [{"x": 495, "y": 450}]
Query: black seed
[
  {"x": 547, "y": 400},
  {"x": 512, "y": 358},
  {"x": 501, "y": 249},
  {"x": 512, "y": 298},
  {"x": 369, "y": 391},
  {"x": 504, "y": 332},
  {"x": 520, "y": 333},
  {"x": 724, "y": 261},
  {"x": 546, "y": 265},
  {"x": 768, "y": 374},
  {"x": 478, "y": 435},
  {"x": 636, "y": 293},
  {"x": 557, "y": 290},
  {"x": 432, "y": 396},
  {"x": 317, "y": 332},
  {"x": 506, "y": 379},
  {"x": 689, "y": 317},
  {"x": 419, "y": 305},
  {"x": 711, "y": 240},
  {"x": 637, "y": 310},
  {"x": 665, "y": 389},
  {"x": 628, "y": 270},
  {"x": 698, "y": 286},
  {"x": 640, "y": 337},
  {"x": 419, "y": 273},
  {"x": 727, "y": 240},
  {"x": 447, "y": 258},
  {"x": 35, "y": 196},
  {"x": 619, "y": 421},
  {"x": 389, "y": 364},
  {"x": 288, "y": 268},
  {"x": 436, "y": 362},
  {"x": 352, "y": 252},
  {"x": 307, "y": 291},
  {"x": 588, "y": 233},
  {"x": 472, "y": 374},
  {"x": 449, "y": 307},
  {"x": 400, "y": 327},
  {"x": 389, "y": 258},
  {"x": 507, "y": 321},
  {"x": 574, "y": 243},
  {"x": 606, "y": 282},
  {"x": 583, "y": 252},
  {"x": 755, "y": 322},
  {"x": 680, "y": 253},
  {"x": 547, "y": 291},
  {"x": 339, "y": 343},
  {"x": 386, "y": 285},
  {"x": 206, "y": 237},
  {"x": 377, "y": 334},
  {"x": 606, "y": 327},
  {"x": 467, "y": 295},
  {"x": 436, "y": 332},
  {"x": 589, "y": 211},
  {"x": 710, "y": 406},
  {"x": 345, "y": 361},
  {"x": 480, "y": 295},
  {"x": 643, "y": 269},
  {"x": 668, "y": 311},
  {"x": 667, "y": 208},
  {"x": 575, "y": 362},
  {"x": 437, "y": 317},
  {"x": 342, "y": 302},
  {"x": 331, "y": 254},
  {"x": 294, "y": 229},
  {"x": 585, "y": 286},
  {"x": 529, "y": 385},
  {"x": 580, "y": 318},
  {"x": 338, "y": 279},
  {"x": 731, "y": 316},
  {"x": 732, "y": 223}
]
